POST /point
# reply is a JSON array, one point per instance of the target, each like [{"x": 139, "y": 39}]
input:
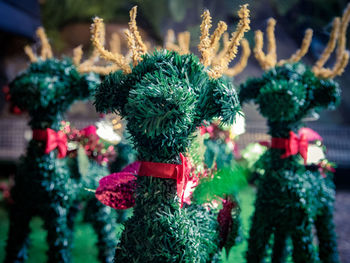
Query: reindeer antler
[
  {"x": 88, "y": 64},
  {"x": 337, "y": 36},
  {"x": 269, "y": 59},
  {"x": 115, "y": 43},
  {"x": 46, "y": 51},
  {"x": 183, "y": 39},
  {"x": 135, "y": 44},
  {"x": 240, "y": 66},
  {"x": 209, "y": 45}
]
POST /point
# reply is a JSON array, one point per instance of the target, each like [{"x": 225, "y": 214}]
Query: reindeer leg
[
  {"x": 72, "y": 213},
  {"x": 279, "y": 247},
  {"x": 326, "y": 236},
  {"x": 303, "y": 249},
  {"x": 57, "y": 234},
  {"x": 18, "y": 237},
  {"x": 104, "y": 223},
  {"x": 259, "y": 236}
]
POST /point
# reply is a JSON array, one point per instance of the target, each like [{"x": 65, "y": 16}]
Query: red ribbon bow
[
  {"x": 178, "y": 172},
  {"x": 53, "y": 140},
  {"x": 117, "y": 190},
  {"x": 292, "y": 145}
]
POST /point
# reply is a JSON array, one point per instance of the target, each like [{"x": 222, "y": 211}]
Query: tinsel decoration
[
  {"x": 291, "y": 199},
  {"x": 164, "y": 97},
  {"x": 44, "y": 186}
]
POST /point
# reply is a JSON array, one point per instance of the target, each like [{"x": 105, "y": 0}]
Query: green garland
[
  {"x": 164, "y": 99},
  {"x": 43, "y": 184},
  {"x": 291, "y": 198}
]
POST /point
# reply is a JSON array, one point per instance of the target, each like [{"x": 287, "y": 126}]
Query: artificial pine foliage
[
  {"x": 43, "y": 185},
  {"x": 291, "y": 199},
  {"x": 164, "y": 97}
]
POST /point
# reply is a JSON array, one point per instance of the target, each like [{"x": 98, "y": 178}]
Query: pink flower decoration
[
  {"x": 311, "y": 135},
  {"x": 89, "y": 130},
  {"x": 117, "y": 190}
]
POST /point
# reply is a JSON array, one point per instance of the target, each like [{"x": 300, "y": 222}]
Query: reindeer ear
[
  {"x": 112, "y": 94},
  {"x": 326, "y": 94},
  {"x": 249, "y": 90},
  {"x": 219, "y": 99}
]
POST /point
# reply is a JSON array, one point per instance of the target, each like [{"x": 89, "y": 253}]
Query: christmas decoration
[
  {"x": 164, "y": 97},
  {"x": 291, "y": 199},
  {"x": 43, "y": 185}
]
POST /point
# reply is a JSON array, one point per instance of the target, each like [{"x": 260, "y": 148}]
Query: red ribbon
[
  {"x": 178, "y": 172},
  {"x": 292, "y": 145},
  {"x": 53, "y": 140}
]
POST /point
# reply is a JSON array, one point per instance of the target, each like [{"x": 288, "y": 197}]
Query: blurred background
[{"x": 67, "y": 23}]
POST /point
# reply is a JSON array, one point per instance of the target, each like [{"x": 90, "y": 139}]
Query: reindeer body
[
  {"x": 291, "y": 199},
  {"x": 44, "y": 186},
  {"x": 164, "y": 97},
  {"x": 161, "y": 230}
]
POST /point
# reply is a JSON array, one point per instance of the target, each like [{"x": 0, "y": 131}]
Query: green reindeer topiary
[
  {"x": 43, "y": 184},
  {"x": 291, "y": 199},
  {"x": 164, "y": 97}
]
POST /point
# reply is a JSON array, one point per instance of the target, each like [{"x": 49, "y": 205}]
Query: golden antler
[
  {"x": 29, "y": 51},
  {"x": 115, "y": 43},
  {"x": 305, "y": 44},
  {"x": 46, "y": 51},
  {"x": 269, "y": 60},
  {"x": 88, "y": 64},
  {"x": 116, "y": 58},
  {"x": 135, "y": 44},
  {"x": 240, "y": 66},
  {"x": 183, "y": 39},
  {"x": 338, "y": 35},
  {"x": 209, "y": 45}
]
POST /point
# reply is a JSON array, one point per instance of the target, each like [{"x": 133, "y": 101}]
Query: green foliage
[
  {"x": 43, "y": 187},
  {"x": 167, "y": 233},
  {"x": 291, "y": 198},
  {"x": 164, "y": 99},
  {"x": 43, "y": 184},
  {"x": 125, "y": 155},
  {"x": 48, "y": 88},
  {"x": 227, "y": 181}
]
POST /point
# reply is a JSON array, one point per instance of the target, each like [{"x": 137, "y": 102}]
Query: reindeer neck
[
  {"x": 158, "y": 156},
  {"x": 282, "y": 129}
]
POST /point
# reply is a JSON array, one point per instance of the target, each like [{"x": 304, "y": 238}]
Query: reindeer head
[
  {"x": 49, "y": 86},
  {"x": 166, "y": 95},
  {"x": 289, "y": 90}
]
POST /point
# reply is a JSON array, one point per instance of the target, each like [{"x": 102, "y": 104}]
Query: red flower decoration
[{"x": 225, "y": 219}]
